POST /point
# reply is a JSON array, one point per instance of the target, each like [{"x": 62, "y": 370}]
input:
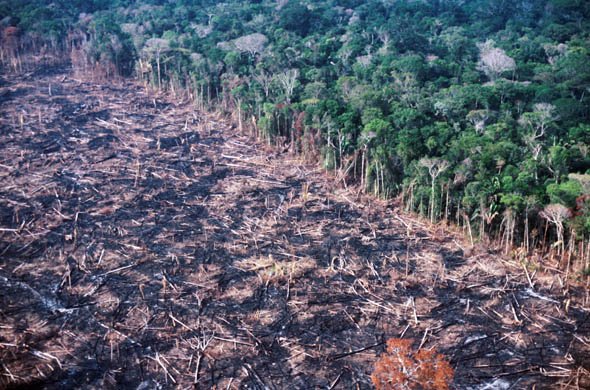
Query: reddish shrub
[{"x": 402, "y": 368}]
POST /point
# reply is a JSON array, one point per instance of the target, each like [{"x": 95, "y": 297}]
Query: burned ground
[{"x": 145, "y": 244}]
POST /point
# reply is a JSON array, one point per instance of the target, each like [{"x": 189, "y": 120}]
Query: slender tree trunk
[
  {"x": 447, "y": 204},
  {"x": 383, "y": 180},
  {"x": 412, "y": 197},
  {"x": 377, "y": 176},
  {"x": 432, "y": 201},
  {"x": 560, "y": 237},
  {"x": 363, "y": 168},
  {"x": 159, "y": 71},
  {"x": 442, "y": 199},
  {"x": 240, "y": 117},
  {"x": 482, "y": 226},
  {"x": 466, "y": 218},
  {"x": 334, "y": 156},
  {"x": 340, "y": 147},
  {"x": 526, "y": 230},
  {"x": 545, "y": 236}
]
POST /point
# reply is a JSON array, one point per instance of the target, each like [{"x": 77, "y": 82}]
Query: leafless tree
[
  {"x": 252, "y": 44},
  {"x": 265, "y": 80},
  {"x": 201, "y": 29},
  {"x": 281, "y": 4},
  {"x": 365, "y": 139},
  {"x": 493, "y": 61},
  {"x": 154, "y": 48},
  {"x": 435, "y": 167},
  {"x": 10, "y": 46},
  {"x": 384, "y": 37},
  {"x": 534, "y": 146},
  {"x": 536, "y": 123},
  {"x": 288, "y": 81},
  {"x": 407, "y": 87},
  {"x": 344, "y": 55},
  {"x": 554, "y": 52},
  {"x": 539, "y": 120},
  {"x": 556, "y": 214},
  {"x": 478, "y": 119}
]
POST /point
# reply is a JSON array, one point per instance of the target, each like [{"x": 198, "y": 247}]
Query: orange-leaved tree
[{"x": 403, "y": 368}]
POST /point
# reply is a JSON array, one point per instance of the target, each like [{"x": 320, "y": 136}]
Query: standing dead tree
[
  {"x": 10, "y": 47},
  {"x": 79, "y": 48},
  {"x": 288, "y": 80},
  {"x": 539, "y": 120},
  {"x": 264, "y": 79},
  {"x": 493, "y": 61},
  {"x": 435, "y": 167},
  {"x": 536, "y": 123},
  {"x": 478, "y": 119},
  {"x": 154, "y": 49},
  {"x": 509, "y": 225},
  {"x": 252, "y": 44},
  {"x": 556, "y": 214}
]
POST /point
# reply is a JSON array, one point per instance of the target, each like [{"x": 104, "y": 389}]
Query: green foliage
[
  {"x": 111, "y": 45},
  {"x": 564, "y": 193},
  {"x": 294, "y": 16}
]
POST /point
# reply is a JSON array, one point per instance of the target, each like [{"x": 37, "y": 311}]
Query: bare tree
[
  {"x": 478, "y": 119},
  {"x": 536, "y": 123},
  {"x": 154, "y": 48},
  {"x": 265, "y": 80},
  {"x": 252, "y": 44},
  {"x": 534, "y": 146},
  {"x": 385, "y": 38},
  {"x": 539, "y": 120},
  {"x": 407, "y": 87},
  {"x": 344, "y": 55},
  {"x": 281, "y": 4},
  {"x": 435, "y": 167},
  {"x": 509, "y": 224},
  {"x": 556, "y": 214},
  {"x": 201, "y": 29},
  {"x": 554, "y": 52},
  {"x": 365, "y": 140},
  {"x": 365, "y": 61},
  {"x": 494, "y": 61},
  {"x": 288, "y": 81},
  {"x": 10, "y": 46}
]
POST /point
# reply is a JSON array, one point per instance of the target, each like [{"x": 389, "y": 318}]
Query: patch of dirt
[{"x": 144, "y": 244}]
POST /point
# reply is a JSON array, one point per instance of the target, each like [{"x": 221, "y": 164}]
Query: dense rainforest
[{"x": 470, "y": 111}]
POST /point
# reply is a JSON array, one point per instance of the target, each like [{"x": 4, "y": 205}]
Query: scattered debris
[{"x": 148, "y": 245}]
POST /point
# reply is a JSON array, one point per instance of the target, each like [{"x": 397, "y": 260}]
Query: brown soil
[{"x": 145, "y": 245}]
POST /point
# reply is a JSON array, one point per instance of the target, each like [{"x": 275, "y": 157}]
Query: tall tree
[
  {"x": 435, "y": 167},
  {"x": 493, "y": 61}
]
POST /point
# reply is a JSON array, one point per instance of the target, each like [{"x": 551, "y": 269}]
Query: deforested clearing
[{"x": 146, "y": 244}]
